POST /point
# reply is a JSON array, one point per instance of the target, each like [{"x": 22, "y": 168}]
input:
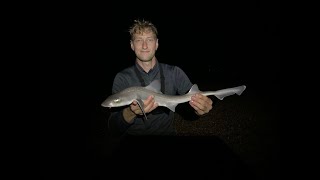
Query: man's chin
[{"x": 145, "y": 60}]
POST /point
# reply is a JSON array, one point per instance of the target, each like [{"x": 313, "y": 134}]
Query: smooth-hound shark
[{"x": 140, "y": 93}]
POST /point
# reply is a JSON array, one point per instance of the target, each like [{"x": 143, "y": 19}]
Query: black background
[{"x": 79, "y": 49}]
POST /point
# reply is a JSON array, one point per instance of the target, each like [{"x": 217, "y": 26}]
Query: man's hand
[
  {"x": 133, "y": 110},
  {"x": 201, "y": 104},
  {"x": 149, "y": 105}
]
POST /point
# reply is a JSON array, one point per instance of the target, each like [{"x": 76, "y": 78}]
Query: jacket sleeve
[
  {"x": 184, "y": 84},
  {"x": 117, "y": 126},
  {"x": 182, "y": 81}
]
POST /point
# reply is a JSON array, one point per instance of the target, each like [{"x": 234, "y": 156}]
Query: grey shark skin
[{"x": 139, "y": 94}]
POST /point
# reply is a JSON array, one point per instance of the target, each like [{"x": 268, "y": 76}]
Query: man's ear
[
  {"x": 131, "y": 45},
  {"x": 157, "y": 44}
]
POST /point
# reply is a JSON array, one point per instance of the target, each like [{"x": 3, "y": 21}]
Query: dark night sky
[
  {"x": 238, "y": 42},
  {"x": 83, "y": 47},
  {"x": 235, "y": 42}
]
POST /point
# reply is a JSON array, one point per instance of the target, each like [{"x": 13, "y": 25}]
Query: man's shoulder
[
  {"x": 168, "y": 66},
  {"x": 127, "y": 70},
  {"x": 171, "y": 68}
]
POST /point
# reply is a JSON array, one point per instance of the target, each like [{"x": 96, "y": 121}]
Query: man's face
[{"x": 145, "y": 46}]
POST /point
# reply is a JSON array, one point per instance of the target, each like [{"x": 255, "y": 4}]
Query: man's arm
[{"x": 117, "y": 125}]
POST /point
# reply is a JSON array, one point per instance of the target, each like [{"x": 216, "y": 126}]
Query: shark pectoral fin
[
  {"x": 172, "y": 107},
  {"x": 141, "y": 105}
]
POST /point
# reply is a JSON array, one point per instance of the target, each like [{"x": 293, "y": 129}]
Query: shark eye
[{"x": 116, "y": 100}]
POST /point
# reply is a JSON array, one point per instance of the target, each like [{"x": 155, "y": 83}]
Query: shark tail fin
[{"x": 230, "y": 91}]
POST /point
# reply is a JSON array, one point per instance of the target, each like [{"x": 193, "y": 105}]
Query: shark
[{"x": 141, "y": 93}]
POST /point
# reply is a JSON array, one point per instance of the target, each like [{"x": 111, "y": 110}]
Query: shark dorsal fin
[
  {"x": 194, "y": 89},
  {"x": 155, "y": 86}
]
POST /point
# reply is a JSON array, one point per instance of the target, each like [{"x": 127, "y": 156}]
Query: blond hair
[{"x": 142, "y": 26}]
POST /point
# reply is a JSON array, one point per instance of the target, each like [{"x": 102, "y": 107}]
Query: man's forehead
[{"x": 145, "y": 35}]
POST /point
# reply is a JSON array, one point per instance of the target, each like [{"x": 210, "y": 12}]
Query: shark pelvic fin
[{"x": 172, "y": 107}]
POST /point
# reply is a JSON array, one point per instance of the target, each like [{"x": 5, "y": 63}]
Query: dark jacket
[{"x": 160, "y": 121}]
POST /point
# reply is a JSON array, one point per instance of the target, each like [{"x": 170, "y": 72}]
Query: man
[{"x": 174, "y": 81}]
